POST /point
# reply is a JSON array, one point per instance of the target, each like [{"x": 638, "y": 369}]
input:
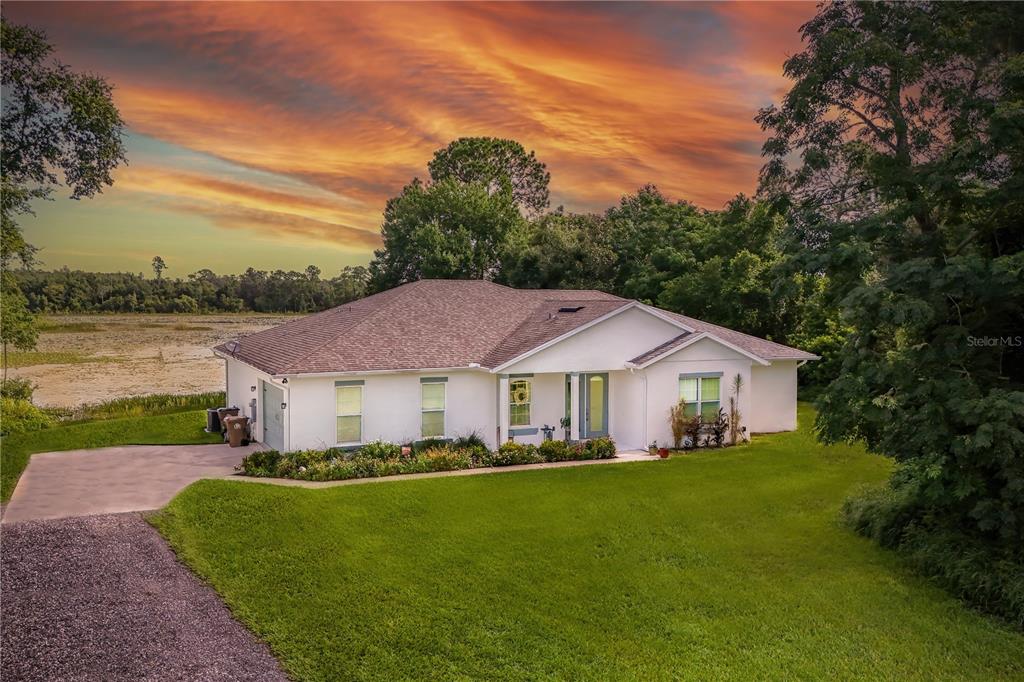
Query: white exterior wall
[
  {"x": 601, "y": 348},
  {"x": 774, "y": 397},
  {"x": 626, "y": 400},
  {"x": 239, "y": 382},
  {"x": 391, "y": 407},
  {"x": 705, "y": 355}
]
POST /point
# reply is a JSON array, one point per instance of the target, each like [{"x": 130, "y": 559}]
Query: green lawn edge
[
  {"x": 715, "y": 564},
  {"x": 179, "y": 428}
]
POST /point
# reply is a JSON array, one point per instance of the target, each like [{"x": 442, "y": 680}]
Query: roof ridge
[{"x": 407, "y": 286}]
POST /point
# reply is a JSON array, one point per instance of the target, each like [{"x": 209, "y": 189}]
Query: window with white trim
[
  {"x": 349, "y": 401},
  {"x": 432, "y": 404},
  {"x": 702, "y": 394},
  {"x": 519, "y": 395}
]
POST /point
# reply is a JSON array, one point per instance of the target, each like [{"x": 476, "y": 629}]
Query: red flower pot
[{"x": 663, "y": 453}]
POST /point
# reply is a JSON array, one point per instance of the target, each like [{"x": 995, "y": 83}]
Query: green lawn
[
  {"x": 715, "y": 565},
  {"x": 163, "y": 429}
]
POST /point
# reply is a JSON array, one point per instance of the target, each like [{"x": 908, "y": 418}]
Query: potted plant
[
  {"x": 663, "y": 453},
  {"x": 652, "y": 449},
  {"x": 566, "y": 424}
]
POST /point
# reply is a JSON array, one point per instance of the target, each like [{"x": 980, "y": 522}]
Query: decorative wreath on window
[{"x": 521, "y": 394}]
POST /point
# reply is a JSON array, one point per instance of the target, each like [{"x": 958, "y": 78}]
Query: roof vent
[
  {"x": 232, "y": 346},
  {"x": 570, "y": 309}
]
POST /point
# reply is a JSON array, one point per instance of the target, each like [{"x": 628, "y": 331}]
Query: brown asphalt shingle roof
[{"x": 431, "y": 324}]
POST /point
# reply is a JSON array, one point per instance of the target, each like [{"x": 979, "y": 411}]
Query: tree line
[{"x": 204, "y": 291}]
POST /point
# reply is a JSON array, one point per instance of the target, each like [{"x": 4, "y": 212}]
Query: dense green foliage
[
  {"x": 177, "y": 428},
  {"x": 72, "y": 291},
  {"x": 908, "y": 122},
  {"x": 444, "y": 229},
  {"x": 141, "y": 405},
  {"x": 380, "y": 458},
  {"x": 21, "y": 416},
  {"x": 926, "y": 257},
  {"x": 498, "y": 165},
  {"x": 714, "y": 565}
]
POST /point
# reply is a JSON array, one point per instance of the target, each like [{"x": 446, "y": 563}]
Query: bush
[
  {"x": 599, "y": 448},
  {"x": 141, "y": 405},
  {"x": 17, "y": 389},
  {"x": 511, "y": 453},
  {"x": 262, "y": 463},
  {"x": 475, "y": 446},
  {"x": 555, "y": 451},
  {"x": 446, "y": 458},
  {"x": 21, "y": 416},
  {"x": 380, "y": 449},
  {"x": 421, "y": 446},
  {"x": 986, "y": 575}
]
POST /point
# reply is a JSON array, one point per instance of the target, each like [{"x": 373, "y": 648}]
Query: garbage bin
[
  {"x": 238, "y": 430},
  {"x": 212, "y": 421},
  {"x": 225, "y": 412}
]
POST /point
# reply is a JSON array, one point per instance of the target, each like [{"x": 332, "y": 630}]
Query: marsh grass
[
  {"x": 16, "y": 359},
  {"x": 143, "y": 405},
  {"x": 50, "y": 326}
]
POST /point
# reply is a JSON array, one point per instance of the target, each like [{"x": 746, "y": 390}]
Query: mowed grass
[
  {"x": 718, "y": 565},
  {"x": 164, "y": 429}
]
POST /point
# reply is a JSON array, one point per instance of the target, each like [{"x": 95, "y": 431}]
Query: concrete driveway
[{"x": 111, "y": 480}]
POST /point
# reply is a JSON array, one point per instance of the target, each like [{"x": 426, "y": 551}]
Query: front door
[
  {"x": 273, "y": 417},
  {"x": 594, "y": 405}
]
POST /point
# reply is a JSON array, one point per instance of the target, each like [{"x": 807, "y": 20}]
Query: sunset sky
[{"x": 272, "y": 134}]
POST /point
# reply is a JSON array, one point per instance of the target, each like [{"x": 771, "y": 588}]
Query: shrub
[
  {"x": 261, "y": 463},
  {"x": 380, "y": 449},
  {"x": 446, "y": 458},
  {"x": 555, "y": 451},
  {"x": 694, "y": 426},
  {"x": 421, "y": 446},
  {"x": 599, "y": 448},
  {"x": 512, "y": 453},
  {"x": 472, "y": 443},
  {"x": 677, "y": 420},
  {"x": 717, "y": 429},
  {"x": 17, "y": 389},
  {"x": 986, "y": 575},
  {"x": 21, "y": 416}
]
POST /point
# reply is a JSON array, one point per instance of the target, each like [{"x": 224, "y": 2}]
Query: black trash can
[{"x": 212, "y": 420}]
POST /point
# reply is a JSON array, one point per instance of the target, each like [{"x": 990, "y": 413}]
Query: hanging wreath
[{"x": 521, "y": 394}]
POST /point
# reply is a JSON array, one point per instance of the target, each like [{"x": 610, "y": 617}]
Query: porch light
[
  {"x": 252, "y": 388},
  {"x": 284, "y": 405}
]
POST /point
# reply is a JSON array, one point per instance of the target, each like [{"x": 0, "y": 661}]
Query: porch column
[
  {"x": 574, "y": 405},
  {"x": 503, "y": 410}
]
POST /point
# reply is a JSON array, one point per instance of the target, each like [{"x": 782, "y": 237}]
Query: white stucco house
[{"x": 443, "y": 358}]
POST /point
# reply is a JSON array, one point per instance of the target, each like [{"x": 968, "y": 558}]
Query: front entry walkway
[{"x": 110, "y": 480}]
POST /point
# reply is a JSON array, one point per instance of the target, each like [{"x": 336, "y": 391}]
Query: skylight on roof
[{"x": 570, "y": 309}]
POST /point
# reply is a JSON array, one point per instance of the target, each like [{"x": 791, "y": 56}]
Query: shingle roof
[
  {"x": 762, "y": 348},
  {"x": 435, "y": 324}
]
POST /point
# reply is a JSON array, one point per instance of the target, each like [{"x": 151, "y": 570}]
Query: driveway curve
[
  {"x": 111, "y": 480},
  {"x": 104, "y": 598}
]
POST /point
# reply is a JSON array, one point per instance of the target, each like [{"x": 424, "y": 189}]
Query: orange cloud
[{"x": 355, "y": 98}]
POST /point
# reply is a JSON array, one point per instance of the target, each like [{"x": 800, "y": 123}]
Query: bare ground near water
[{"x": 141, "y": 354}]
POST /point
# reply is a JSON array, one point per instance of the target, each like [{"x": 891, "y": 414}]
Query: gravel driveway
[{"x": 104, "y": 598}]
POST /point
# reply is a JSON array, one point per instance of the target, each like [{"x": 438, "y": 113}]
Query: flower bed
[{"x": 387, "y": 459}]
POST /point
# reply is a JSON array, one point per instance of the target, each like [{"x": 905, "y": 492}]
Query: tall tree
[
  {"x": 158, "y": 267},
  {"x": 447, "y": 229},
  {"x": 499, "y": 165},
  {"x": 54, "y": 120},
  {"x": 907, "y": 123}
]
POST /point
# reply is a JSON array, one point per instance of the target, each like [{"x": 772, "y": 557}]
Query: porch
[{"x": 592, "y": 404}]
